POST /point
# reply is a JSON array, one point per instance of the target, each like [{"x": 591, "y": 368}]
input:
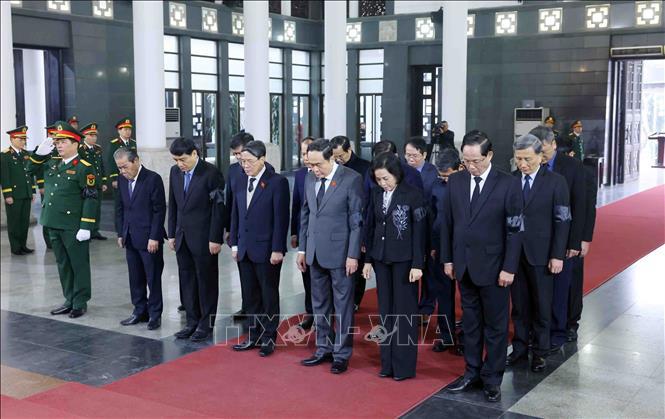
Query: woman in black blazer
[{"x": 396, "y": 250}]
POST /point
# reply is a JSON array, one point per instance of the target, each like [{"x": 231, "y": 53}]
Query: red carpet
[{"x": 219, "y": 382}]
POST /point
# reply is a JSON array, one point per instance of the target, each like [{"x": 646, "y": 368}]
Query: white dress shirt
[
  {"x": 66, "y": 161},
  {"x": 533, "y": 178},
  {"x": 387, "y": 197},
  {"x": 483, "y": 177},
  {"x": 132, "y": 185},
  {"x": 328, "y": 178},
  {"x": 250, "y": 194}
]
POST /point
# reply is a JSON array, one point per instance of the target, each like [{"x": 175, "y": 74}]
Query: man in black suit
[
  {"x": 415, "y": 155},
  {"x": 343, "y": 155},
  {"x": 572, "y": 170},
  {"x": 139, "y": 221},
  {"x": 296, "y": 206},
  {"x": 195, "y": 229},
  {"x": 480, "y": 245},
  {"x": 259, "y": 225},
  {"x": 546, "y": 217}
]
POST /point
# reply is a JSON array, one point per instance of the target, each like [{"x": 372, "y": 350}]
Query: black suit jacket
[
  {"x": 398, "y": 235},
  {"x": 486, "y": 241},
  {"x": 358, "y": 164},
  {"x": 572, "y": 170},
  {"x": 447, "y": 139},
  {"x": 198, "y": 217},
  {"x": 141, "y": 216},
  {"x": 234, "y": 170},
  {"x": 591, "y": 183},
  {"x": 546, "y": 217},
  {"x": 261, "y": 228}
]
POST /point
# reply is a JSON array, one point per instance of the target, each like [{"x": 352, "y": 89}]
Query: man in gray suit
[{"x": 330, "y": 235}]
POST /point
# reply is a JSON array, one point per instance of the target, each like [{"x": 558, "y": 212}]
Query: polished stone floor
[{"x": 614, "y": 370}]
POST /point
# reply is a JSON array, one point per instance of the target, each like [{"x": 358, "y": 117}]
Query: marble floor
[{"x": 614, "y": 370}]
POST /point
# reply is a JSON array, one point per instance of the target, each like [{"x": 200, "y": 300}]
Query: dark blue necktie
[
  {"x": 321, "y": 192},
  {"x": 251, "y": 184},
  {"x": 188, "y": 178},
  {"x": 527, "y": 187},
  {"x": 131, "y": 187}
]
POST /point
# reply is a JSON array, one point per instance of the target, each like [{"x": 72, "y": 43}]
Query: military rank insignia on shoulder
[
  {"x": 85, "y": 163},
  {"x": 90, "y": 180}
]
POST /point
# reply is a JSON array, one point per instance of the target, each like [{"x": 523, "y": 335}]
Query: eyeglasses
[
  {"x": 248, "y": 162},
  {"x": 412, "y": 155},
  {"x": 475, "y": 162}
]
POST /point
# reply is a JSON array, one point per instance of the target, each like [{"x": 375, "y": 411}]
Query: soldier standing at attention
[
  {"x": 68, "y": 210},
  {"x": 576, "y": 141},
  {"x": 91, "y": 152},
  {"x": 18, "y": 189},
  {"x": 39, "y": 176},
  {"x": 124, "y": 127}
]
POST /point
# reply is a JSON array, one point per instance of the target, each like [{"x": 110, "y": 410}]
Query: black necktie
[
  {"x": 321, "y": 192},
  {"x": 527, "y": 187},
  {"x": 251, "y": 184},
  {"x": 476, "y": 191}
]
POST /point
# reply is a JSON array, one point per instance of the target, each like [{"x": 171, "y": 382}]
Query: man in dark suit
[
  {"x": 573, "y": 172},
  {"x": 343, "y": 155},
  {"x": 296, "y": 206},
  {"x": 546, "y": 223},
  {"x": 139, "y": 221},
  {"x": 259, "y": 225},
  {"x": 195, "y": 229},
  {"x": 330, "y": 236},
  {"x": 480, "y": 246},
  {"x": 577, "y": 285},
  {"x": 415, "y": 155}
]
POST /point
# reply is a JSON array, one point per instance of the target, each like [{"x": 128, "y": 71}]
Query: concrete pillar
[
  {"x": 334, "y": 119},
  {"x": 35, "y": 96},
  {"x": 8, "y": 96},
  {"x": 257, "y": 91},
  {"x": 286, "y": 7},
  {"x": 354, "y": 10},
  {"x": 454, "y": 67}
]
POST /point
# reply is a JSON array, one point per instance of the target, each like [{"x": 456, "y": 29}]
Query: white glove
[
  {"x": 45, "y": 147},
  {"x": 83, "y": 235}
]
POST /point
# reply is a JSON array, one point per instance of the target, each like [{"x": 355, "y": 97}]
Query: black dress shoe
[
  {"x": 239, "y": 315},
  {"x": 18, "y": 253},
  {"x": 462, "y": 384},
  {"x": 134, "y": 319},
  {"x": 402, "y": 378},
  {"x": 245, "y": 345},
  {"x": 185, "y": 333},
  {"x": 515, "y": 357},
  {"x": 154, "y": 323},
  {"x": 555, "y": 348},
  {"x": 27, "y": 250},
  {"x": 339, "y": 367},
  {"x": 385, "y": 374},
  {"x": 439, "y": 346},
  {"x": 199, "y": 335},
  {"x": 76, "y": 312},
  {"x": 571, "y": 336},
  {"x": 181, "y": 308},
  {"x": 538, "y": 363},
  {"x": 267, "y": 349},
  {"x": 317, "y": 360},
  {"x": 61, "y": 310},
  {"x": 458, "y": 350},
  {"x": 492, "y": 393},
  {"x": 307, "y": 323},
  {"x": 98, "y": 236}
]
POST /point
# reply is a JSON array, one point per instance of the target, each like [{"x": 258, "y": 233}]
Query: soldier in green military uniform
[
  {"x": 91, "y": 152},
  {"x": 39, "y": 176},
  {"x": 576, "y": 141},
  {"x": 68, "y": 210},
  {"x": 18, "y": 188},
  {"x": 550, "y": 122},
  {"x": 124, "y": 127}
]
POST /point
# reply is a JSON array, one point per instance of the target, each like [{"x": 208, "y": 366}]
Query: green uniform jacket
[
  {"x": 96, "y": 158},
  {"x": 111, "y": 167},
  {"x": 17, "y": 182},
  {"x": 577, "y": 143},
  {"x": 70, "y": 193}
]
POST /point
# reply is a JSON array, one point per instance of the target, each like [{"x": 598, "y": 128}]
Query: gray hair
[
  {"x": 528, "y": 141},
  {"x": 544, "y": 133},
  {"x": 130, "y": 154}
]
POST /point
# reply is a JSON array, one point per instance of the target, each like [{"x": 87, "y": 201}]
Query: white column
[
  {"x": 34, "y": 87},
  {"x": 454, "y": 65},
  {"x": 150, "y": 120},
  {"x": 354, "y": 9},
  {"x": 8, "y": 96},
  {"x": 257, "y": 93},
  {"x": 286, "y": 7},
  {"x": 334, "y": 119}
]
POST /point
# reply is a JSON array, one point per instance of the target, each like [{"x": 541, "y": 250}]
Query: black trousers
[
  {"x": 359, "y": 282},
  {"x": 485, "y": 324},
  {"x": 307, "y": 284},
  {"x": 576, "y": 295},
  {"x": 561, "y": 290},
  {"x": 398, "y": 307},
  {"x": 531, "y": 293},
  {"x": 443, "y": 292},
  {"x": 199, "y": 286},
  {"x": 427, "y": 300},
  {"x": 262, "y": 284},
  {"x": 145, "y": 270}
]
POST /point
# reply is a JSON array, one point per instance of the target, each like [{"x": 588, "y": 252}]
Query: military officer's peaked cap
[
  {"x": 90, "y": 129},
  {"x": 20, "y": 132},
  {"x": 73, "y": 119},
  {"x": 124, "y": 123},
  {"x": 64, "y": 130},
  {"x": 576, "y": 124},
  {"x": 550, "y": 120},
  {"x": 50, "y": 129}
]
